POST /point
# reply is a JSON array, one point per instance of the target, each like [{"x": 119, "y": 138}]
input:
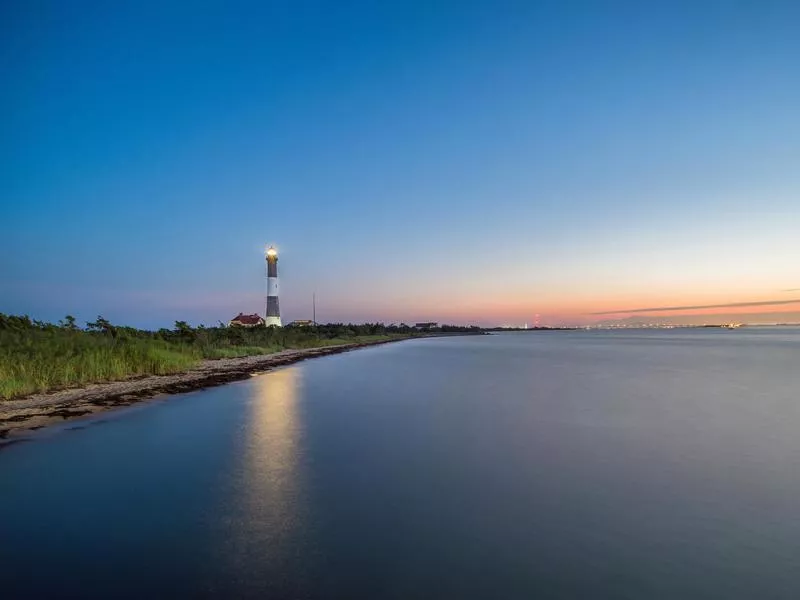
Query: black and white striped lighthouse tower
[{"x": 273, "y": 310}]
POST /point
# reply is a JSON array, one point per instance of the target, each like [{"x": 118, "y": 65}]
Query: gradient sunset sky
[{"x": 479, "y": 162}]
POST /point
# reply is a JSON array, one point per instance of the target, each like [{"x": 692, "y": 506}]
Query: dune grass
[
  {"x": 45, "y": 362},
  {"x": 216, "y": 352},
  {"x": 40, "y": 357}
]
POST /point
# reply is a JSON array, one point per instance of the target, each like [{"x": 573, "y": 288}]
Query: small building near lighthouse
[
  {"x": 243, "y": 320},
  {"x": 301, "y": 323}
]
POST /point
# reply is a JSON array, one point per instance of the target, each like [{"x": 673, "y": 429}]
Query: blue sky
[{"x": 453, "y": 161}]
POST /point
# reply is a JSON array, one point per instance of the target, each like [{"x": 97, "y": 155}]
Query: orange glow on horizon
[{"x": 510, "y": 309}]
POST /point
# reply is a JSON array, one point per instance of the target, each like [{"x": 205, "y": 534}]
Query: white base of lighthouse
[{"x": 276, "y": 321}]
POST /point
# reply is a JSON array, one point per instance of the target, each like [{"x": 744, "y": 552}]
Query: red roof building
[{"x": 242, "y": 320}]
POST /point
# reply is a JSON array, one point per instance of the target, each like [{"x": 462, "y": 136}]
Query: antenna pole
[
  {"x": 266, "y": 297},
  {"x": 314, "y": 309}
]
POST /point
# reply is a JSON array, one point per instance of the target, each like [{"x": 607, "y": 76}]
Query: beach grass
[
  {"x": 43, "y": 363},
  {"x": 41, "y": 357},
  {"x": 216, "y": 352}
]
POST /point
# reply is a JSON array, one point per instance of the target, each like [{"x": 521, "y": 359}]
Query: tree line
[{"x": 201, "y": 335}]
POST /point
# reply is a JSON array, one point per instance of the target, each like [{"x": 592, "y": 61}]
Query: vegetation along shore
[{"x": 51, "y": 372}]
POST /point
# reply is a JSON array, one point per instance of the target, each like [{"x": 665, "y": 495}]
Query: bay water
[{"x": 547, "y": 464}]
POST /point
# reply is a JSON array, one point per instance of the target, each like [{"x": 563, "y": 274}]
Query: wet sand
[{"x": 40, "y": 410}]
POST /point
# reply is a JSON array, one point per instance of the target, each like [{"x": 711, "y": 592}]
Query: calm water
[{"x": 532, "y": 465}]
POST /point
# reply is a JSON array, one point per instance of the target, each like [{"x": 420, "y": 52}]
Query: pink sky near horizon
[
  {"x": 160, "y": 308},
  {"x": 749, "y": 258}
]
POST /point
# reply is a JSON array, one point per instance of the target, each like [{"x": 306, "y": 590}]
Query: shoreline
[{"x": 37, "y": 411}]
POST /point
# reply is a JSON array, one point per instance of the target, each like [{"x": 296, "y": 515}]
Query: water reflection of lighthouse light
[{"x": 272, "y": 485}]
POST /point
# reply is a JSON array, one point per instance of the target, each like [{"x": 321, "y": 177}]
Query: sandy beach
[{"x": 40, "y": 410}]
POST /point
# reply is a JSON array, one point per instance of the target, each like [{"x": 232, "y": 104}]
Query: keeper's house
[{"x": 242, "y": 320}]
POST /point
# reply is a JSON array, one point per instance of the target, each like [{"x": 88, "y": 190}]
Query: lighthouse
[{"x": 273, "y": 311}]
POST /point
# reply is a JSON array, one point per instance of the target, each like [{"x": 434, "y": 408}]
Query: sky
[{"x": 559, "y": 162}]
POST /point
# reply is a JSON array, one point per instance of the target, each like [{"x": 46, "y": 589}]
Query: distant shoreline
[{"x": 41, "y": 410}]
